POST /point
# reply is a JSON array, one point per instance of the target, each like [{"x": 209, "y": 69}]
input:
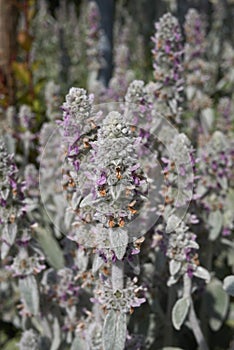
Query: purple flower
[{"x": 102, "y": 179}]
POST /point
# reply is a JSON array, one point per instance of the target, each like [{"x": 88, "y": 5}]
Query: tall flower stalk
[{"x": 168, "y": 67}]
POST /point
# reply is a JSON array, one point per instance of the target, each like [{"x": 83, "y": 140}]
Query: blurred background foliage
[{"x": 27, "y": 60}]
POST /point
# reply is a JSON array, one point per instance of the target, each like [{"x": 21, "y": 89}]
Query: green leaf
[
  {"x": 56, "y": 335},
  {"x": 50, "y": 247},
  {"x": 5, "y": 247},
  {"x": 114, "y": 331},
  {"x": 207, "y": 118},
  {"x": 88, "y": 200},
  {"x": 119, "y": 241},
  {"x": 97, "y": 263},
  {"x": 174, "y": 267},
  {"x": 215, "y": 221},
  {"x": 79, "y": 344},
  {"x": 9, "y": 233},
  {"x": 29, "y": 293},
  {"x": 217, "y": 302},
  {"x": 180, "y": 311},
  {"x": 202, "y": 273},
  {"x": 228, "y": 284}
]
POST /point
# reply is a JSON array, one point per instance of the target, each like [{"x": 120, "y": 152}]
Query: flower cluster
[
  {"x": 119, "y": 180},
  {"x": 123, "y": 300},
  {"x": 11, "y": 200},
  {"x": 216, "y": 176},
  {"x": 29, "y": 340},
  {"x": 178, "y": 172},
  {"x": 24, "y": 265},
  {"x": 181, "y": 250},
  {"x": 62, "y": 287},
  {"x": 195, "y": 35},
  {"x": 31, "y": 187},
  {"x": 93, "y": 36},
  {"x": 51, "y": 160},
  {"x": 227, "y": 67},
  {"x": 26, "y": 117},
  {"x": 224, "y": 110},
  {"x": 138, "y": 106},
  {"x": 77, "y": 110},
  {"x": 199, "y": 71},
  {"x": 168, "y": 67},
  {"x": 105, "y": 170}
]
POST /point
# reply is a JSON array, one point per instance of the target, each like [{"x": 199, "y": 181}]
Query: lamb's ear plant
[
  {"x": 174, "y": 232},
  {"x": 168, "y": 67},
  {"x": 107, "y": 191},
  {"x": 116, "y": 231},
  {"x": 199, "y": 71},
  {"x": 93, "y": 43}
]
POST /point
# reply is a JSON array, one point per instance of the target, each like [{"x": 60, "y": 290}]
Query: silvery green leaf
[
  {"x": 180, "y": 311},
  {"x": 221, "y": 84},
  {"x": 230, "y": 257},
  {"x": 174, "y": 267},
  {"x": 29, "y": 293},
  {"x": 5, "y": 193},
  {"x": 228, "y": 284},
  {"x": 230, "y": 198},
  {"x": 114, "y": 331},
  {"x": 88, "y": 200},
  {"x": 172, "y": 280},
  {"x": 190, "y": 91},
  {"x": 207, "y": 118},
  {"x": 75, "y": 201},
  {"x": 9, "y": 233},
  {"x": 97, "y": 263},
  {"x": 201, "y": 190},
  {"x": 109, "y": 330},
  {"x": 172, "y": 222},
  {"x": 228, "y": 217},
  {"x": 50, "y": 247},
  {"x": 201, "y": 272},
  {"x": 121, "y": 332},
  {"x": 215, "y": 221},
  {"x": 69, "y": 215},
  {"x": 119, "y": 241},
  {"x": 79, "y": 344},
  {"x": 223, "y": 182},
  {"x": 217, "y": 302},
  {"x": 227, "y": 242},
  {"x": 4, "y": 250},
  {"x": 56, "y": 335},
  {"x": 193, "y": 244},
  {"x": 82, "y": 260},
  {"x": 173, "y": 105}
]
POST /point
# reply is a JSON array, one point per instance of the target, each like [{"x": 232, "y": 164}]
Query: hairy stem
[
  {"x": 117, "y": 275},
  {"x": 194, "y": 323},
  {"x": 187, "y": 286},
  {"x": 196, "y": 329}
]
